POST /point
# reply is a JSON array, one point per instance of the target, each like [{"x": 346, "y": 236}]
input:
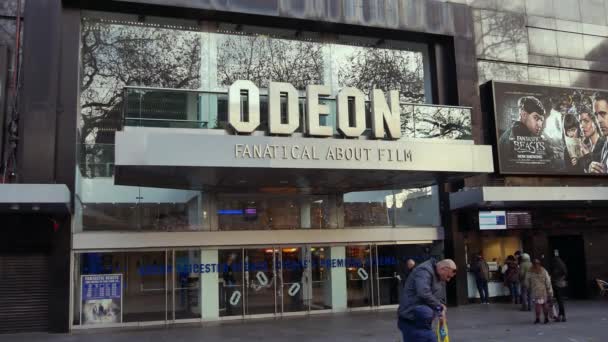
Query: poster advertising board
[
  {"x": 101, "y": 299},
  {"x": 551, "y": 130}
]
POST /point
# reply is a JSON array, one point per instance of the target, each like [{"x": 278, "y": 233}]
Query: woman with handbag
[
  {"x": 538, "y": 283},
  {"x": 559, "y": 275}
]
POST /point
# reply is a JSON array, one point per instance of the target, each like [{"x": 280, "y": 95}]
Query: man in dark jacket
[
  {"x": 424, "y": 297},
  {"x": 482, "y": 274}
]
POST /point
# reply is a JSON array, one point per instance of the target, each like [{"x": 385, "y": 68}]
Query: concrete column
[
  {"x": 195, "y": 211},
  {"x": 305, "y": 207},
  {"x": 209, "y": 209},
  {"x": 338, "y": 280},
  {"x": 210, "y": 308},
  {"x": 336, "y": 210}
]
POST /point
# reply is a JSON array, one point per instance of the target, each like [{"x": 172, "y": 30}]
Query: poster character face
[
  {"x": 572, "y": 132},
  {"x": 601, "y": 110},
  {"x": 587, "y": 125},
  {"x": 531, "y": 114},
  {"x": 533, "y": 121},
  {"x": 571, "y": 126}
]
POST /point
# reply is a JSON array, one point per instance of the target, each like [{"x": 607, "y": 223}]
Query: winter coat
[
  {"x": 539, "y": 284},
  {"x": 422, "y": 287},
  {"x": 512, "y": 273},
  {"x": 481, "y": 270},
  {"x": 559, "y": 273},
  {"x": 524, "y": 267}
]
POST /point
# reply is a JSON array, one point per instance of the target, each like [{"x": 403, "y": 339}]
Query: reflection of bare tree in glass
[
  {"x": 261, "y": 60},
  {"x": 369, "y": 68},
  {"x": 442, "y": 122},
  {"x": 501, "y": 36},
  {"x": 114, "y": 56}
]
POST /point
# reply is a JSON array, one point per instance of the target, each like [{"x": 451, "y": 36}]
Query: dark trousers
[
  {"x": 514, "y": 289},
  {"x": 526, "y": 299},
  {"x": 482, "y": 287},
  {"x": 413, "y": 332},
  {"x": 559, "y": 296}
]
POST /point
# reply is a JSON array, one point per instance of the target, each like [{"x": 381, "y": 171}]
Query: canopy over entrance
[{"x": 215, "y": 161}]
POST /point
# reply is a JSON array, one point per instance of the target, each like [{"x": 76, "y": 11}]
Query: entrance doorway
[{"x": 571, "y": 250}]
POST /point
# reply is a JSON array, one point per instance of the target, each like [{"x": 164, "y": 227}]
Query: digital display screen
[{"x": 490, "y": 220}]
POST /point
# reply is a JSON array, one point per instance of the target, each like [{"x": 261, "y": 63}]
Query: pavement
[{"x": 587, "y": 321}]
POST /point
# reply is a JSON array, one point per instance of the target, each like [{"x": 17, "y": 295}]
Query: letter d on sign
[
  {"x": 235, "y": 117},
  {"x": 274, "y": 108}
]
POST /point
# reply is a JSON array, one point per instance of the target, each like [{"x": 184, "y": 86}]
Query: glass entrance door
[
  {"x": 146, "y": 296},
  {"x": 359, "y": 285},
  {"x": 186, "y": 302},
  {"x": 260, "y": 281},
  {"x": 386, "y": 274},
  {"x": 293, "y": 291},
  {"x": 320, "y": 278},
  {"x": 231, "y": 280}
]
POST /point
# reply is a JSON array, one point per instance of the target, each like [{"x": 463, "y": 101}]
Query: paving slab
[{"x": 587, "y": 322}]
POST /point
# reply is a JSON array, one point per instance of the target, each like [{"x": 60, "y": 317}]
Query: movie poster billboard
[
  {"x": 551, "y": 130},
  {"x": 101, "y": 298}
]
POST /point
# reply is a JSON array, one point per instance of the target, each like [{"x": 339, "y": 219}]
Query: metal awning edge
[{"x": 504, "y": 194}]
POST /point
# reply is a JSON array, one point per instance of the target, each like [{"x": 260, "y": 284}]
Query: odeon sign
[{"x": 383, "y": 114}]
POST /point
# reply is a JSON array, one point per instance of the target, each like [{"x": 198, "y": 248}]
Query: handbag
[
  {"x": 553, "y": 308},
  {"x": 442, "y": 332}
]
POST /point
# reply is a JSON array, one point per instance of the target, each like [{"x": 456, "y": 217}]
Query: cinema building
[{"x": 189, "y": 161}]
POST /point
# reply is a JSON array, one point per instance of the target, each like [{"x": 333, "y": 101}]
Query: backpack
[{"x": 512, "y": 274}]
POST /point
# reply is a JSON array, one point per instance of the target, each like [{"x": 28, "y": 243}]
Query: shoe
[
  {"x": 546, "y": 321},
  {"x": 563, "y": 319},
  {"x": 537, "y": 321}
]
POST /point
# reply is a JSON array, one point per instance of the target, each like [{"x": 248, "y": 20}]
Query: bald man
[{"x": 423, "y": 299}]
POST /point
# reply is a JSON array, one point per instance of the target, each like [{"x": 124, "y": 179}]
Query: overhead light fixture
[
  {"x": 14, "y": 207},
  {"x": 35, "y": 207}
]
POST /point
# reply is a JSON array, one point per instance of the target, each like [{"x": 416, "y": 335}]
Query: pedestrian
[
  {"x": 559, "y": 275},
  {"x": 405, "y": 270},
  {"x": 229, "y": 282},
  {"x": 511, "y": 278},
  {"x": 481, "y": 270},
  {"x": 517, "y": 256},
  {"x": 524, "y": 267},
  {"x": 424, "y": 299},
  {"x": 538, "y": 284}
]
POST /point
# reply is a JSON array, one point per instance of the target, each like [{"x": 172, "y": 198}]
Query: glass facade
[
  {"x": 173, "y": 285},
  {"x": 175, "y": 74}
]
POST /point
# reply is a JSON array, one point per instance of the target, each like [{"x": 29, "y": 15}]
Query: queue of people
[{"x": 532, "y": 286}]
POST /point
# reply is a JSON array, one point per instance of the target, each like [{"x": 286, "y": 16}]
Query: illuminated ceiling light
[
  {"x": 14, "y": 207},
  {"x": 35, "y": 207}
]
